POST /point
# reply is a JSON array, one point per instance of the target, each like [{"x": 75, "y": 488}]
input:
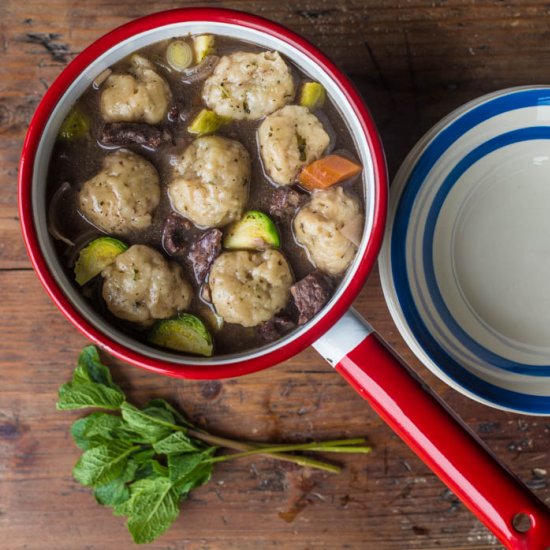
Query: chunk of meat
[
  {"x": 248, "y": 86},
  {"x": 310, "y": 295},
  {"x": 174, "y": 233},
  {"x": 290, "y": 139},
  {"x": 139, "y": 95},
  {"x": 210, "y": 182},
  {"x": 174, "y": 112},
  {"x": 128, "y": 133},
  {"x": 284, "y": 202},
  {"x": 203, "y": 253},
  {"x": 276, "y": 327}
]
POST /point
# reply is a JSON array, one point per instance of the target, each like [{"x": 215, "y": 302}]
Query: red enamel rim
[{"x": 47, "y": 105}]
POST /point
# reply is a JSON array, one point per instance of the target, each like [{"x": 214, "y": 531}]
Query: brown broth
[{"x": 79, "y": 161}]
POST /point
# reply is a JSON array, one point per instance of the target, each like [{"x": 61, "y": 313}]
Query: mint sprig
[{"x": 142, "y": 462}]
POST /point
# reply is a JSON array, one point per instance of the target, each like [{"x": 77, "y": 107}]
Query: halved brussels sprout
[
  {"x": 75, "y": 126},
  {"x": 204, "y": 45},
  {"x": 206, "y": 122},
  {"x": 185, "y": 332},
  {"x": 96, "y": 256},
  {"x": 254, "y": 231},
  {"x": 313, "y": 95}
]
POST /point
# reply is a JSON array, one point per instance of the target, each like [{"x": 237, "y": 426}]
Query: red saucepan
[{"x": 340, "y": 335}]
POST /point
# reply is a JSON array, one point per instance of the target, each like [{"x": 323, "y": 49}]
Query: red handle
[{"x": 451, "y": 449}]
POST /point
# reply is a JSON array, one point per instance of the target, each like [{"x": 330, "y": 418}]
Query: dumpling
[
  {"x": 210, "y": 185},
  {"x": 249, "y": 288},
  {"x": 123, "y": 195},
  {"x": 317, "y": 227},
  {"x": 141, "y": 95},
  {"x": 248, "y": 86},
  {"x": 290, "y": 139},
  {"x": 141, "y": 286}
]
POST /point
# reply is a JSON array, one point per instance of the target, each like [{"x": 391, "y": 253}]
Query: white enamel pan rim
[{"x": 120, "y": 50}]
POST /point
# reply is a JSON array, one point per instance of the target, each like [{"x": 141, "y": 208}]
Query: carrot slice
[{"x": 327, "y": 171}]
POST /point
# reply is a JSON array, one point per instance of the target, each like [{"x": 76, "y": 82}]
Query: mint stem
[
  {"x": 335, "y": 443},
  {"x": 275, "y": 450},
  {"x": 247, "y": 447},
  {"x": 219, "y": 441},
  {"x": 287, "y": 448},
  {"x": 320, "y": 448}
]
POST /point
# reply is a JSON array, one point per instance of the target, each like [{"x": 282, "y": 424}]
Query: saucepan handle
[{"x": 437, "y": 435}]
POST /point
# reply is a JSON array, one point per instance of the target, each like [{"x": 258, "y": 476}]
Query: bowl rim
[{"x": 55, "y": 93}]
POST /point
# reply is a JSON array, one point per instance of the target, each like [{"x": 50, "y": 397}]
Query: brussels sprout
[
  {"x": 75, "y": 126},
  {"x": 204, "y": 45},
  {"x": 206, "y": 122},
  {"x": 95, "y": 257},
  {"x": 185, "y": 332},
  {"x": 255, "y": 231},
  {"x": 313, "y": 95}
]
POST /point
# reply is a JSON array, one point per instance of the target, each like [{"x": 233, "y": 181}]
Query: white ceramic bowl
[{"x": 466, "y": 259}]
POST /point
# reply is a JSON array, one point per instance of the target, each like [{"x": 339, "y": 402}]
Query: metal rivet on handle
[{"x": 522, "y": 522}]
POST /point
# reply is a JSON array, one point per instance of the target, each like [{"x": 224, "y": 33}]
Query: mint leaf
[
  {"x": 124, "y": 508},
  {"x": 91, "y": 369},
  {"x": 151, "y": 469},
  {"x": 188, "y": 471},
  {"x": 197, "y": 477},
  {"x": 175, "y": 443},
  {"x": 95, "y": 429},
  {"x": 100, "y": 424},
  {"x": 163, "y": 404},
  {"x": 152, "y": 423},
  {"x": 152, "y": 508},
  {"x": 82, "y": 395},
  {"x": 158, "y": 469},
  {"x": 92, "y": 385},
  {"x": 112, "y": 494},
  {"x": 103, "y": 464},
  {"x": 181, "y": 466},
  {"x": 142, "y": 457},
  {"x": 77, "y": 432},
  {"x": 116, "y": 492}
]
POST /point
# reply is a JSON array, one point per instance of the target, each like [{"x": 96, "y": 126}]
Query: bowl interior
[
  {"x": 306, "y": 61},
  {"x": 466, "y": 264}
]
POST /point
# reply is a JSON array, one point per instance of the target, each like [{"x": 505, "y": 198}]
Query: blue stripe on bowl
[
  {"x": 486, "y": 355},
  {"x": 432, "y": 153}
]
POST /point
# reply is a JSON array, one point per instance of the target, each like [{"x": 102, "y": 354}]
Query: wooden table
[{"x": 414, "y": 62}]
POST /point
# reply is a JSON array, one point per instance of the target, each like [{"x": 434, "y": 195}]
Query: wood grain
[
  {"x": 384, "y": 499},
  {"x": 413, "y": 62}
]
